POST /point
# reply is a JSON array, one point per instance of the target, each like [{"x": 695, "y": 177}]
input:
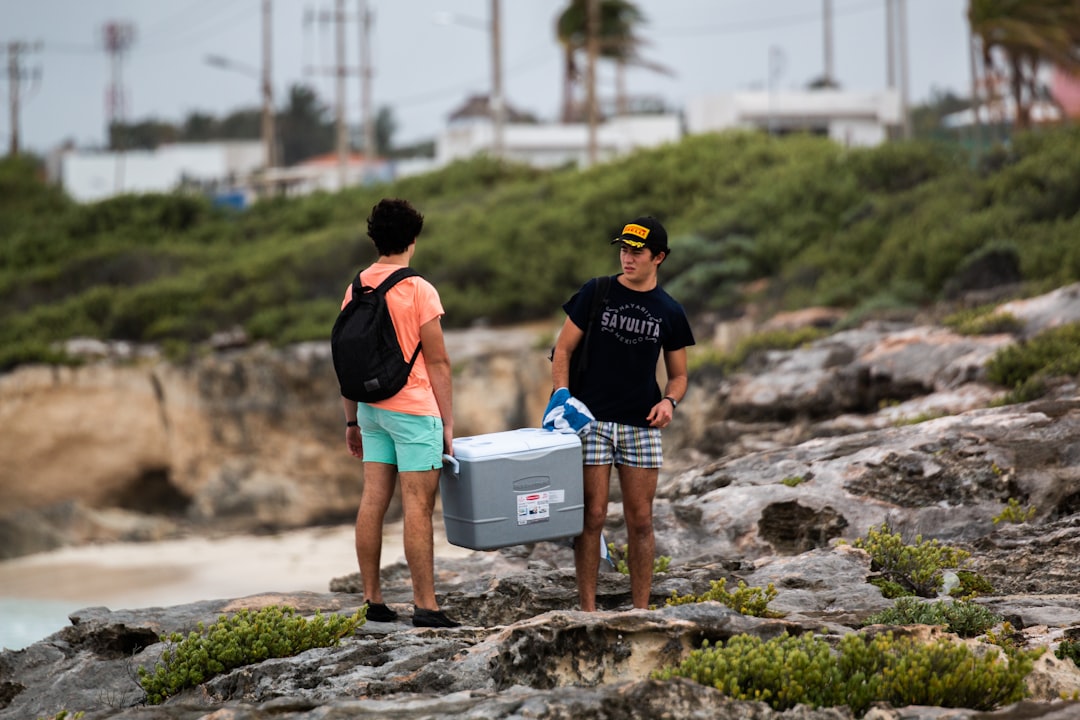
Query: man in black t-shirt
[{"x": 636, "y": 324}]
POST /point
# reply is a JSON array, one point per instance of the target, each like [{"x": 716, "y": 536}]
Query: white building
[
  {"x": 470, "y": 130},
  {"x": 551, "y": 145},
  {"x": 851, "y": 119},
  {"x": 88, "y": 176}
]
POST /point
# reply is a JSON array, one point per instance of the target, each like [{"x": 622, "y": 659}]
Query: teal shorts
[{"x": 413, "y": 443}]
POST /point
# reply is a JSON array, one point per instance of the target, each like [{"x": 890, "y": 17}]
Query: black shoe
[
  {"x": 432, "y": 618},
  {"x": 378, "y": 612}
]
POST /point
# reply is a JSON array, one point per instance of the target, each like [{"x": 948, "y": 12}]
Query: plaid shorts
[{"x": 609, "y": 443}]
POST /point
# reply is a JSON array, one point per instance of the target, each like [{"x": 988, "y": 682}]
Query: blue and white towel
[{"x": 566, "y": 414}]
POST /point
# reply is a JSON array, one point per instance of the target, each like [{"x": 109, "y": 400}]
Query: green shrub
[
  {"x": 971, "y": 584},
  {"x": 1069, "y": 649},
  {"x": 781, "y": 222},
  {"x": 908, "y": 569},
  {"x": 920, "y": 418},
  {"x": 963, "y": 617},
  {"x": 787, "y": 671},
  {"x": 1013, "y": 513},
  {"x": 619, "y": 556},
  {"x": 1051, "y": 353},
  {"x": 983, "y": 320},
  {"x": 753, "y": 601},
  {"x": 244, "y": 638}
]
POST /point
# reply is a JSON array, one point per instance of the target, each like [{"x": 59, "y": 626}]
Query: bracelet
[
  {"x": 671, "y": 400},
  {"x": 352, "y": 423}
]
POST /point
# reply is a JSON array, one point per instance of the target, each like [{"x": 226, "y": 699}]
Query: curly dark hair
[{"x": 393, "y": 225}]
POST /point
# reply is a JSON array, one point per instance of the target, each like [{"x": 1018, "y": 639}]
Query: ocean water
[{"x": 24, "y": 622}]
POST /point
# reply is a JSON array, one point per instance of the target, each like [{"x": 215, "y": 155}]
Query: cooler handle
[{"x": 450, "y": 460}]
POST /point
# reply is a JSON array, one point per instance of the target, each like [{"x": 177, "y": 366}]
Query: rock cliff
[
  {"x": 769, "y": 471},
  {"x": 245, "y": 439}
]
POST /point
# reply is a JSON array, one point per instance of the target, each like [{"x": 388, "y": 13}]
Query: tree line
[{"x": 305, "y": 128}]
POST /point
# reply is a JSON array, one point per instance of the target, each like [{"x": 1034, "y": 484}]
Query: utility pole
[
  {"x": 16, "y": 77},
  {"x": 340, "y": 70},
  {"x": 902, "y": 41},
  {"x": 896, "y": 56},
  {"x": 498, "y": 105},
  {"x": 830, "y": 77},
  {"x": 366, "y": 74},
  {"x": 118, "y": 37},
  {"x": 592, "y": 25},
  {"x": 339, "y": 111},
  {"x": 976, "y": 95},
  {"x": 268, "y": 134},
  {"x": 890, "y": 45}
]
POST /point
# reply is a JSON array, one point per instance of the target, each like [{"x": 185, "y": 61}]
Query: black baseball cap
[{"x": 645, "y": 231}]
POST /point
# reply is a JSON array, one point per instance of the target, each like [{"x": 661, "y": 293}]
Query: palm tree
[
  {"x": 1022, "y": 35},
  {"x": 617, "y": 41}
]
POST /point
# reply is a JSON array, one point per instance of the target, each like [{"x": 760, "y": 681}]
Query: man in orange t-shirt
[{"x": 404, "y": 436}]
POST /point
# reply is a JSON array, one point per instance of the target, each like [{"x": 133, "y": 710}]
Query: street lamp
[
  {"x": 497, "y": 103},
  {"x": 224, "y": 63}
]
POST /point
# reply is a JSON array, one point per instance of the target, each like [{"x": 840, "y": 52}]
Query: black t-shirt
[{"x": 631, "y": 329}]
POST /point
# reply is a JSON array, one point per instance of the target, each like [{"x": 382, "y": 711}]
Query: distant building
[
  {"x": 470, "y": 130},
  {"x": 324, "y": 172},
  {"x": 88, "y": 176},
  {"x": 851, "y": 119},
  {"x": 1065, "y": 87}
]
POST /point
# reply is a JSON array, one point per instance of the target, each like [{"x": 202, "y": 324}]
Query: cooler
[{"x": 511, "y": 488}]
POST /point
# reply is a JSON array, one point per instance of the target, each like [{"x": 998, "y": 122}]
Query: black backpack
[{"x": 367, "y": 356}]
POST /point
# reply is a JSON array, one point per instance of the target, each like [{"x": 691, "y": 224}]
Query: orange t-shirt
[{"x": 412, "y": 302}]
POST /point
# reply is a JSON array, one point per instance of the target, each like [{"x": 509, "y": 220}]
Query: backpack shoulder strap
[
  {"x": 395, "y": 277},
  {"x": 599, "y": 299},
  {"x": 391, "y": 280}
]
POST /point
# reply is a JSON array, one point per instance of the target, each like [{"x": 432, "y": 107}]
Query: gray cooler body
[{"x": 511, "y": 488}]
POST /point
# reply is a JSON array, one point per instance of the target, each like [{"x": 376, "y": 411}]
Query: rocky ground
[{"x": 770, "y": 471}]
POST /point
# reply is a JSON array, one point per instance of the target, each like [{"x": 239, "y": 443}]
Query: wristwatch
[
  {"x": 674, "y": 403},
  {"x": 352, "y": 423}
]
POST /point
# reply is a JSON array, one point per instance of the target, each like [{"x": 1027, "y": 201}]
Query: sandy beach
[{"x": 131, "y": 575}]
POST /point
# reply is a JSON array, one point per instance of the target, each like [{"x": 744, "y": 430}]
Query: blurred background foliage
[{"x": 811, "y": 222}]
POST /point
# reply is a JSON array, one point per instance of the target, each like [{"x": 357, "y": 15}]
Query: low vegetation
[
  {"x": 1069, "y": 649},
  {"x": 963, "y": 617},
  {"x": 984, "y": 320},
  {"x": 753, "y": 601},
  {"x": 784, "y": 222},
  {"x": 1014, "y": 513},
  {"x": 862, "y": 669},
  {"x": 1027, "y": 366},
  {"x": 913, "y": 569},
  {"x": 244, "y": 638},
  {"x": 620, "y": 553}
]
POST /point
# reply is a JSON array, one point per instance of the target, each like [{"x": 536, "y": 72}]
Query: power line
[
  {"x": 764, "y": 23},
  {"x": 171, "y": 24},
  {"x": 527, "y": 62},
  {"x": 203, "y": 29}
]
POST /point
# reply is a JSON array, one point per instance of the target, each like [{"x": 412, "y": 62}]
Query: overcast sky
[{"x": 424, "y": 69}]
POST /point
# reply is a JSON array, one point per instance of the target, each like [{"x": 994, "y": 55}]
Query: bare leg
[
  {"x": 638, "y": 490},
  {"x": 587, "y": 544},
  {"x": 418, "y": 498},
  {"x": 379, "y": 479}
]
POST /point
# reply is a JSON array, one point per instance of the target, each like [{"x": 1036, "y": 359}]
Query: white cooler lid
[{"x": 510, "y": 442}]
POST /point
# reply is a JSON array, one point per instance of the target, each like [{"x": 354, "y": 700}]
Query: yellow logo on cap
[{"x": 639, "y": 230}]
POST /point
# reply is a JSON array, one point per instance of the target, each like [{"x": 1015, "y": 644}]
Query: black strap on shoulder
[
  {"x": 391, "y": 280},
  {"x": 603, "y": 284}
]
